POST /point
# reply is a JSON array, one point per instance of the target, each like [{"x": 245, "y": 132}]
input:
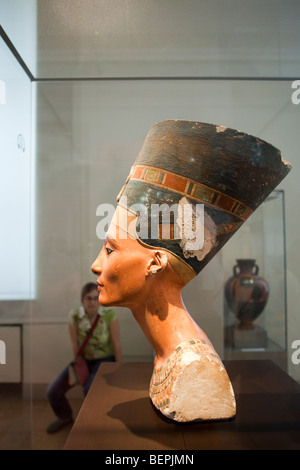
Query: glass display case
[
  {"x": 255, "y": 291},
  {"x": 75, "y": 108}
]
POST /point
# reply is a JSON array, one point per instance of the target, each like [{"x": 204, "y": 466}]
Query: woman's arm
[
  {"x": 74, "y": 338},
  {"x": 114, "y": 329}
]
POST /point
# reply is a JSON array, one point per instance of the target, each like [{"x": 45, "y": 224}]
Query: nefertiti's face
[{"x": 121, "y": 267}]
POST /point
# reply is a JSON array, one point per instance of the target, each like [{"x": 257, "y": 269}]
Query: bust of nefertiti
[{"x": 191, "y": 187}]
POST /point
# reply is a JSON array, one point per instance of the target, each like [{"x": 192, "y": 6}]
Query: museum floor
[{"x": 23, "y": 425}]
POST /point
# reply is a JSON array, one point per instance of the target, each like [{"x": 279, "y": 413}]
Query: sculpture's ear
[{"x": 158, "y": 262}]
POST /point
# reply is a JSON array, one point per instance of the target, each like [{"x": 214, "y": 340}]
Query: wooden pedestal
[{"x": 117, "y": 413}]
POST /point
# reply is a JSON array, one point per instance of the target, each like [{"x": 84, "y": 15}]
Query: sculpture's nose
[{"x": 96, "y": 266}]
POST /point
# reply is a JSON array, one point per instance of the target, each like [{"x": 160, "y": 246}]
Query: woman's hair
[{"x": 88, "y": 287}]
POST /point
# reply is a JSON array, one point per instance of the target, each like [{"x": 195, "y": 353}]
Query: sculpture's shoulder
[{"x": 193, "y": 384}]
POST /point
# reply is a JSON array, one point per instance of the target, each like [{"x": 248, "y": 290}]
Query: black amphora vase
[{"x": 246, "y": 292}]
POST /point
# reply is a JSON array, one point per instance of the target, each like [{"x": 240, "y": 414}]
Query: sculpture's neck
[{"x": 166, "y": 322}]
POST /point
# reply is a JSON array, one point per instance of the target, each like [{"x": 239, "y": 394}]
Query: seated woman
[
  {"x": 212, "y": 178},
  {"x": 102, "y": 346}
]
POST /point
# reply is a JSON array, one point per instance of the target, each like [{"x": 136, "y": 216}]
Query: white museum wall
[
  {"x": 17, "y": 180},
  {"x": 17, "y": 220},
  {"x": 88, "y": 136},
  {"x": 19, "y": 19},
  {"x": 138, "y": 38}
]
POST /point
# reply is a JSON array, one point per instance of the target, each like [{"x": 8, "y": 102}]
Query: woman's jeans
[{"x": 58, "y": 388}]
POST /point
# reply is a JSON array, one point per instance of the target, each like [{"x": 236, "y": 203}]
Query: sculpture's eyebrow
[{"x": 110, "y": 238}]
